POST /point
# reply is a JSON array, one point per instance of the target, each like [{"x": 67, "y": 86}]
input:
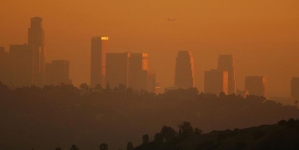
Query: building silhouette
[
  {"x": 36, "y": 43},
  {"x": 184, "y": 70},
  {"x": 21, "y": 65},
  {"x": 57, "y": 72},
  {"x": 226, "y": 63},
  {"x": 151, "y": 81},
  {"x": 256, "y": 85},
  {"x": 118, "y": 69},
  {"x": 5, "y": 70},
  {"x": 99, "y": 48},
  {"x": 138, "y": 71},
  {"x": 216, "y": 81},
  {"x": 295, "y": 90}
]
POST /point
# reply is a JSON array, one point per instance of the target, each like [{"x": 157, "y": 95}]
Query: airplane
[{"x": 169, "y": 19}]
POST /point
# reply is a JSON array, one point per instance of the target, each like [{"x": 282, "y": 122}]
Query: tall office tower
[
  {"x": 226, "y": 63},
  {"x": 256, "y": 85},
  {"x": 295, "y": 90},
  {"x": 21, "y": 65},
  {"x": 36, "y": 43},
  {"x": 184, "y": 70},
  {"x": 58, "y": 72},
  {"x": 138, "y": 71},
  {"x": 117, "y": 69},
  {"x": 4, "y": 67},
  {"x": 216, "y": 81},
  {"x": 151, "y": 81},
  {"x": 99, "y": 48}
]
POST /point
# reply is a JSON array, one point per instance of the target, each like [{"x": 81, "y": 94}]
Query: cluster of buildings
[
  {"x": 115, "y": 69},
  {"x": 223, "y": 80},
  {"x": 217, "y": 80},
  {"x": 24, "y": 64}
]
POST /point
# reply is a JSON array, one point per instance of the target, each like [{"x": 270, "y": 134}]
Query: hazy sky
[{"x": 263, "y": 35}]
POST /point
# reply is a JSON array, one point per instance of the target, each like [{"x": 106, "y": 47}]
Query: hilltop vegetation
[
  {"x": 52, "y": 116},
  {"x": 281, "y": 136}
]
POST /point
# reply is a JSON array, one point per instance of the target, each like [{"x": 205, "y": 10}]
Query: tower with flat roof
[
  {"x": 99, "y": 48},
  {"x": 184, "y": 70},
  {"x": 58, "y": 72},
  {"x": 216, "y": 81},
  {"x": 5, "y": 71},
  {"x": 256, "y": 85},
  {"x": 226, "y": 63},
  {"x": 118, "y": 69},
  {"x": 138, "y": 67},
  {"x": 21, "y": 65}
]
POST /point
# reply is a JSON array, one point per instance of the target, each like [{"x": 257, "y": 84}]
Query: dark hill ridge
[
  {"x": 44, "y": 118},
  {"x": 281, "y": 136}
]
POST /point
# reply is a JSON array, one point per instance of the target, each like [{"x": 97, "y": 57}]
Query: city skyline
[
  {"x": 266, "y": 34},
  {"x": 34, "y": 52},
  {"x": 136, "y": 75}
]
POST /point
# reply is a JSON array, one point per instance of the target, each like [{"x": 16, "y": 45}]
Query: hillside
[
  {"x": 59, "y": 116},
  {"x": 281, "y": 136}
]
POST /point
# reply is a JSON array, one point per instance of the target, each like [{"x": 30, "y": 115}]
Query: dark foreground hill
[
  {"x": 281, "y": 136},
  {"x": 59, "y": 116}
]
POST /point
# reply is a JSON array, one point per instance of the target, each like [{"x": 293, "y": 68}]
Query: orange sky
[{"x": 263, "y": 35}]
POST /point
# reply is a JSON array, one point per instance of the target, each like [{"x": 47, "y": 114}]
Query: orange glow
[{"x": 262, "y": 35}]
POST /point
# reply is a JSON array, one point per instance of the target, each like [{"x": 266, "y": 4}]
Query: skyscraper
[
  {"x": 295, "y": 90},
  {"x": 99, "y": 48},
  {"x": 118, "y": 69},
  {"x": 256, "y": 85},
  {"x": 216, "y": 81},
  {"x": 184, "y": 70},
  {"x": 151, "y": 81},
  {"x": 21, "y": 65},
  {"x": 5, "y": 73},
  {"x": 36, "y": 43},
  {"x": 226, "y": 63},
  {"x": 138, "y": 71},
  {"x": 58, "y": 72}
]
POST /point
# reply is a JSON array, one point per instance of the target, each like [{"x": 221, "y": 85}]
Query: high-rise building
[
  {"x": 99, "y": 48},
  {"x": 4, "y": 67},
  {"x": 57, "y": 72},
  {"x": 295, "y": 90},
  {"x": 21, "y": 65},
  {"x": 216, "y": 81},
  {"x": 184, "y": 70},
  {"x": 226, "y": 63},
  {"x": 36, "y": 43},
  {"x": 118, "y": 69},
  {"x": 138, "y": 71},
  {"x": 256, "y": 85},
  {"x": 151, "y": 81}
]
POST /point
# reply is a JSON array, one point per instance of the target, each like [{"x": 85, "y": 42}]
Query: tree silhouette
[
  {"x": 145, "y": 139},
  {"x": 167, "y": 133},
  {"x": 186, "y": 129},
  {"x": 130, "y": 146},
  {"x": 74, "y": 147},
  {"x": 197, "y": 131},
  {"x": 159, "y": 138},
  {"x": 104, "y": 146}
]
